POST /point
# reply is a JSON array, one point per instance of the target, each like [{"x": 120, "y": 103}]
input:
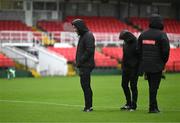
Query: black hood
[
  {"x": 156, "y": 22},
  {"x": 80, "y": 25},
  {"x": 127, "y": 36}
]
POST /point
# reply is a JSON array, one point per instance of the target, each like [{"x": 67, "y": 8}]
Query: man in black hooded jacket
[
  {"x": 129, "y": 70},
  {"x": 153, "y": 45},
  {"x": 85, "y": 60}
]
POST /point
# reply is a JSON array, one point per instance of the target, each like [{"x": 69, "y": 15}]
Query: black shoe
[
  {"x": 154, "y": 111},
  {"x": 126, "y": 107},
  {"x": 88, "y": 109},
  {"x": 133, "y": 107}
]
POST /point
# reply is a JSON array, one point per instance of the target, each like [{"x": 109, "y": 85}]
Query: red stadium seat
[
  {"x": 68, "y": 53},
  {"x": 173, "y": 63},
  {"x": 114, "y": 52},
  {"x": 102, "y": 24},
  {"x": 12, "y": 25},
  {"x": 100, "y": 59},
  {"x": 50, "y": 26},
  {"x": 6, "y": 62},
  {"x": 170, "y": 25}
]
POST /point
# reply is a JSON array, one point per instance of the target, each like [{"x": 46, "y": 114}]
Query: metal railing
[{"x": 33, "y": 37}]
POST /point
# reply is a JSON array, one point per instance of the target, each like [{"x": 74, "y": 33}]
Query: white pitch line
[
  {"x": 67, "y": 105},
  {"x": 48, "y": 103},
  {"x": 37, "y": 102}
]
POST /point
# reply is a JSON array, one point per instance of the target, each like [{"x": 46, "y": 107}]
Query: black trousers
[
  {"x": 85, "y": 79},
  {"x": 154, "y": 80},
  {"x": 131, "y": 93}
]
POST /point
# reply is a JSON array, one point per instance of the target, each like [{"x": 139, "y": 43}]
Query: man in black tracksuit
[
  {"x": 85, "y": 60},
  {"x": 129, "y": 70},
  {"x": 153, "y": 45}
]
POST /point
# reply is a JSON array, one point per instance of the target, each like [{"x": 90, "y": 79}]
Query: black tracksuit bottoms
[
  {"x": 131, "y": 77},
  {"x": 154, "y": 82},
  {"x": 85, "y": 79}
]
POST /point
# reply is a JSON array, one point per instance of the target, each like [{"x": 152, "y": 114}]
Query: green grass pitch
[{"x": 60, "y": 99}]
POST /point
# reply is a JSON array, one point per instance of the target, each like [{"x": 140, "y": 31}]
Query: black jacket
[
  {"x": 130, "y": 54},
  {"x": 86, "y": 46},
  {"x": 153, "y": 46}
]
